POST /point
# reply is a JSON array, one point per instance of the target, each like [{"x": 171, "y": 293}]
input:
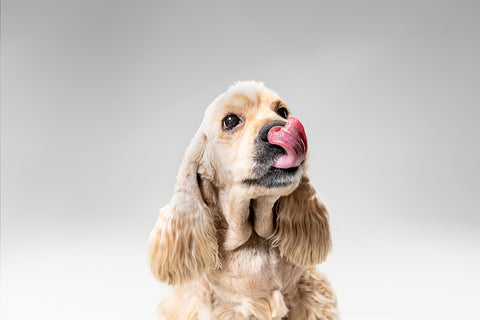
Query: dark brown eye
[
  {"x": 283, "y": 112},
  {"x": 230, "y": 122}
]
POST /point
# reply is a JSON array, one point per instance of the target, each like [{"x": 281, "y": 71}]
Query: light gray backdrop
[{"x": 100, "y": 98}]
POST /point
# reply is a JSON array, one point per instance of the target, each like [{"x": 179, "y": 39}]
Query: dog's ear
[
  {"x": 302, "y": 233},
  {"x": 183, "y": 243}
]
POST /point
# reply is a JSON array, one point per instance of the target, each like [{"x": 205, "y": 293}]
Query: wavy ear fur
[
  {"x": 302, "y": 233},
  {"x": 183, "y": 243}
]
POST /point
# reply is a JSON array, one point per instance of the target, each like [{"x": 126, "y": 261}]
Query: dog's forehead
[{"x": 246, "y": 94}]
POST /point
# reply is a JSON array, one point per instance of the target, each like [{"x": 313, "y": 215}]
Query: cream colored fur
[{"x": 224, "y": 261}]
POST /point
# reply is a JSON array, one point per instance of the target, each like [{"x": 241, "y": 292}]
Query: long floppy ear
[
  {"x": 302, "y": 233},
  {"x": 183, "y": 243}
]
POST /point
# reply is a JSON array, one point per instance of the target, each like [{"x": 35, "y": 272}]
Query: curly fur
[{"x": 236, "y": 250}]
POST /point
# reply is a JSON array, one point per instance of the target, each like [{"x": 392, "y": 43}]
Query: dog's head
[
  {"x": 247, "y": 147},
  {"x": 252, "y": 141}
]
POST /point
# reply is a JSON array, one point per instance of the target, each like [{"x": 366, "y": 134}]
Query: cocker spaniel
[{"x": 244, "y": 229}]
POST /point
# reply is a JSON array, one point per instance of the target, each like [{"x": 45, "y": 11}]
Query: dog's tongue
[{"x": 292, "y": 138}]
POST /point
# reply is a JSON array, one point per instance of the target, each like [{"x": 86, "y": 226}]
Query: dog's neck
[
  {"x": 246, "y": 216},
  {"x": 239, "y": 215}
]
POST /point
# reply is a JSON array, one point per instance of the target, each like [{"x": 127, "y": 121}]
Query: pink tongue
[{"x": 292, "y": 138}]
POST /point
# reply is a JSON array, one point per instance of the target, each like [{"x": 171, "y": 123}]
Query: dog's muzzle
[{"x": 280, "y": 148}]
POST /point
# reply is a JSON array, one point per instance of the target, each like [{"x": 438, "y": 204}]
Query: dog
[{"x": 244, "y": 229}]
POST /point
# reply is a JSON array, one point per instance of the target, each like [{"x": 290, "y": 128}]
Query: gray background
[{"x": 100, "y": 98}]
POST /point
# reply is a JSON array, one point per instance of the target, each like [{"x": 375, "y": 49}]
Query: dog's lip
[
  {"x": 274, "y": 177},
  {"x": 288, "y": 170}
]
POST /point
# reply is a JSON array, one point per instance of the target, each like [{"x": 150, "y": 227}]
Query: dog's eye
[
  {"x": 231, "y": 121},
  {"x": 283, "y": 112}
]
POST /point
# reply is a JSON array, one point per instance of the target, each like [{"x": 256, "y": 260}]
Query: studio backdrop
[{"x": 99, "y": 100}]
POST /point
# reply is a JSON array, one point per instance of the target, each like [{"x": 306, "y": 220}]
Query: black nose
[
  {"x": 263, "y": 133},
  {"x": 265, "y": 152}
]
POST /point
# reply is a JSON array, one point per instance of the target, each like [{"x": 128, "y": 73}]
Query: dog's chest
[
  {"x": 251, "y": 278},
  {"x": 254, "y": 270}
]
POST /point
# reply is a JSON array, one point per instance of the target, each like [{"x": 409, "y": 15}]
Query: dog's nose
[{"x": 263, "y": 134}]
